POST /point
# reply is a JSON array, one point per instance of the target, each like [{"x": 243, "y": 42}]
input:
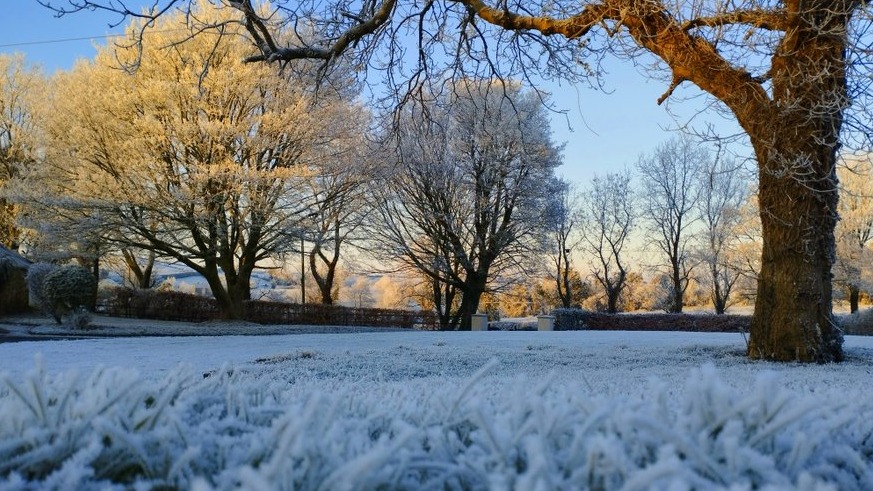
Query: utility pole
[{"x": 302, "y": 272}]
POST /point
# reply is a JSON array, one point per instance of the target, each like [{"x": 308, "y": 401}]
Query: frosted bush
[
  {"x": 36, "y": 274},
  {"x": 68, "y": 289},
  {"x": 858, "y": 323},
  {"x": 236, "y": 430},
  {"x": 570, "y": 319},
  {"x": 79, "y": 318}
]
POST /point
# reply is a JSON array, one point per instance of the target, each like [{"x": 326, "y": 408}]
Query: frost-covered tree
[
  {"x": 723, "y": 192},
  {"x": 669, "y": 192},
  {"x": 392, "y": 292},
  {"x": 54, "y": 229},
  {"x": 854, "y": 231},
  {"x": 463, "y": 199},
  {"x": 21, "y": 87},
  {"x": 609, "y": 218},
  {"x": 335, "y": 219},
  {"x": 548, "y": 296},
  {"x": 195, "y": 156},
  {"x": 563, "y": 238},
  {"x": 359, "y": 293}
]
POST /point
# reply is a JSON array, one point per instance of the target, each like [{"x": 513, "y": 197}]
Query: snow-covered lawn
[{"x": 428, "y": 410}]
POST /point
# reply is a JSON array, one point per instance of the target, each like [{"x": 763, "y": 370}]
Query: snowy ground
[{"x": 410, "y": 410}]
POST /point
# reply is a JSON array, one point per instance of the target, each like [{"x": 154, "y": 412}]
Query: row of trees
[
  {"x": 200, "y": 158},
  {"x": 239, "y": 171},
  {"x": 691, "y": 219},
  {"x": 689, "y": 208},
  {"x": 214, "y": 163},
  {"x": 790, "y": 73}
]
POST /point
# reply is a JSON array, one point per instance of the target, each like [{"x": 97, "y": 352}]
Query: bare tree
[
  {"x": 563, "y": 237},
  {"x": 723, "y": 192},
  {"x": 854, "y": 231},
  {"x": 746, "y": 251},
  {"x": 670, "y": 190},
  {"x": 335, "y": 220},
  {"x": 789, "y": 72},
  {"x": 609, "y": 218},
  {"x": 463, "y": 201}
]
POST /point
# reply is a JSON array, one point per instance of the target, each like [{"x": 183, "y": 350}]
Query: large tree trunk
[
  {"x": 793, "y": 317},
  {"x": 324, "y": 282},
  {"x": 854, "y": 298},
  {"x": 719, "y": 296},
  {"x": 226, "y": 305},
  {"x": 233, "y": 291},
  {"x": 796, "y": 146},
  {"x": 142, "y": 275},
  {"x": 471, "y": 295},
  {"x": 468, "y": 307},
  {"x": 677, "y": 300},
  {"x": 230, "y": 299}
]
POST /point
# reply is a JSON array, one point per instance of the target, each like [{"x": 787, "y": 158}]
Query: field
[{"x": 430, "y": 410}]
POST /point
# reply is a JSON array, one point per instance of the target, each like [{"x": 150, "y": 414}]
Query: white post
[
  {"x": 545, "y": 323},
  {"x": 479, "y": 322}
]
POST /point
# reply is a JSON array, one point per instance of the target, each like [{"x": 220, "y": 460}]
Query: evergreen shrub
[
  {"x": 570, "y": 319},
  {"x": 36, "y": 274},
  {"x": 69, "y": 289}
]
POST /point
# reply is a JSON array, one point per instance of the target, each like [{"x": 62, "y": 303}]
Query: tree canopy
[
  {"x": 20, "y": 89},
  {"x": 196, "y": 155}
]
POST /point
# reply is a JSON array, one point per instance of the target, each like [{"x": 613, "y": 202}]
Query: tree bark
[
  {"x": 793, "y": 318},
  {"x": 796, "y": 146},
  {"x": 142, "y": 276},
  {"x": 719, "y": 297},
  {"x": 677, "y": 301},
  {"x": 325, "y": 282},
  {"x": 471, "y": 295},
  {"x": 230, "y": 299},
  {"x": 854, "y": 298},
  {"x": 231, "y": 293}
]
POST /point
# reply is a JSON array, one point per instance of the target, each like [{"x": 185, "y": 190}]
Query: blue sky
[{"x": 603, "y": 130}]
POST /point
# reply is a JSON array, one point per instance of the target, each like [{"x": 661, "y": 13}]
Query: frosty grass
[{"x": 526, "y": 411}]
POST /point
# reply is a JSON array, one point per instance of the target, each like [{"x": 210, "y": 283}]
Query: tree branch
[
  {"x": 117, "y": 7},
  {"x": 572, "y": 27},
  {"x": 270, "y": 52},
  {"x": 653, "y": 28},
  {"x": 773, "y": 20}
]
